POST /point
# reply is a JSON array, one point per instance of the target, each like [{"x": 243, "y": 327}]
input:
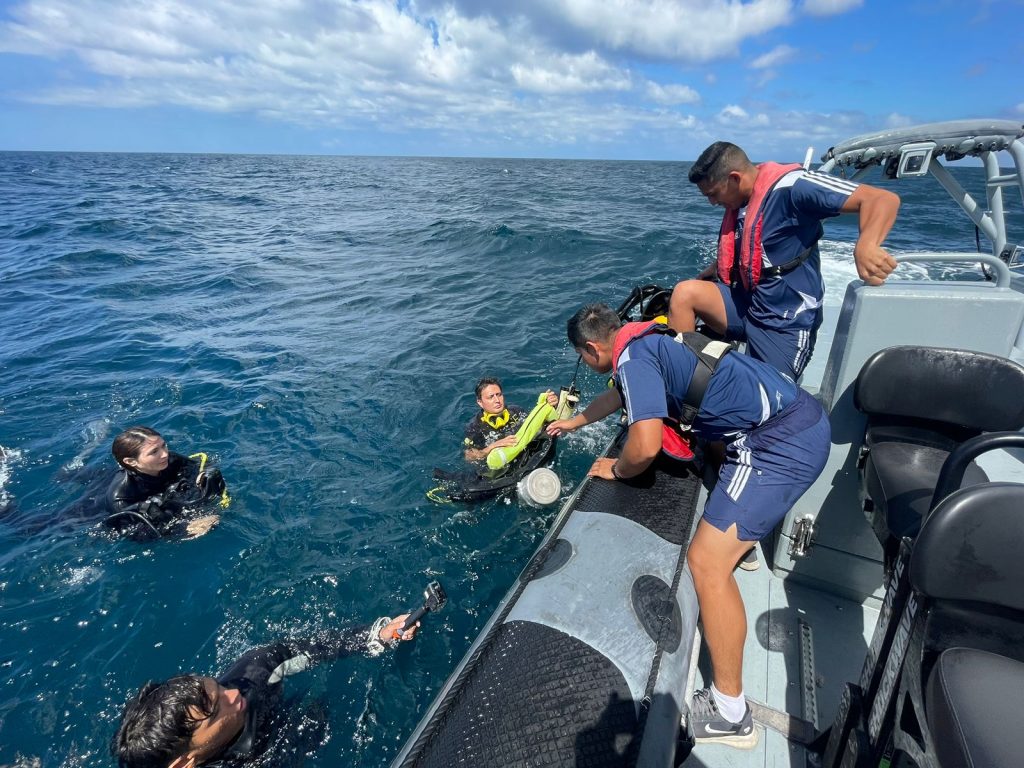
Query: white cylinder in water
[{"x": 539, "y": 488}]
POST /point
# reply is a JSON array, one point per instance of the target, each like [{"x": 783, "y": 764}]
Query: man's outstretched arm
[
  {"x": 274, "y": 662},
  {"x": 876, "y": 209}
]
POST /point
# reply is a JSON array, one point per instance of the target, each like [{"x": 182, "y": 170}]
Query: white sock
[{"x": 732, "y": 708}]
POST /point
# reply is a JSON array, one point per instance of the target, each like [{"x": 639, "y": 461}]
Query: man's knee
[
  {"x": 685, "y": 291},
  {"x": 699, "y": 299},
  {"x": 704, "y": 564}
]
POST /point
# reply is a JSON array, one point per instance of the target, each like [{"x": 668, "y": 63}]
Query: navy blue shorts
[
  {"x": 769, "y": 468},
  {"x": 786, "y": 349}
]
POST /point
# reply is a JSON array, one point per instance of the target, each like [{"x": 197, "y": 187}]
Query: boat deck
[{"x": 774, "y": 675}]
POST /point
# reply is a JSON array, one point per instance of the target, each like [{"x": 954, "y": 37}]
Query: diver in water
[
  {"x": 191, "y": 720},
  {"x": 154, "y": 486},
  {"x": 496, "y": 424}
]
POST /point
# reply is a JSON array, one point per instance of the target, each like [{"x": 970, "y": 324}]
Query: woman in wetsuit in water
[{"x": 155, "y": 485}]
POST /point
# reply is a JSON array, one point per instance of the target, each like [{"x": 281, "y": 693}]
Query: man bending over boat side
[
  {"x": 192, "y": 720},
  {"x": 776, "y": 442},
  {"x": 769, "y": 290},
  {"x": 496, "y": 424}
]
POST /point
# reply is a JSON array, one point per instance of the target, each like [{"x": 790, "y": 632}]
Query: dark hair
[
  {"x": 594, "y": 322},
  {"x": 127, "y": 444},
  {"x": 157, "y": 725},
  {"x": 486, "y": 382},
  {"x": 718, "y": 161}
]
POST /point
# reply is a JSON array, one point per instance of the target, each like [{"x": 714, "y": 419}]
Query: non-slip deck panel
[
  {"x": 537, "y": 697},
  {"x": 661, "y": 499},
  {"x": 655, "y": 605},
  {"x": 528, "y": 693}
]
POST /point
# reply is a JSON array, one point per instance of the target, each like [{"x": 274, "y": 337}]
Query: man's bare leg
[
  {"x": 712, "y": 557},
  {"x": 697, "y": 298}
]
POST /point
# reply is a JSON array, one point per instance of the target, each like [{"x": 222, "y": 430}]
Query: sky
[{"x": 603, "y": 79}]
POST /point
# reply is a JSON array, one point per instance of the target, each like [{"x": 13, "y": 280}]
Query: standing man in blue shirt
[
  {"x": 770, "y": 289},
  {"x": 777, "y": 440}
]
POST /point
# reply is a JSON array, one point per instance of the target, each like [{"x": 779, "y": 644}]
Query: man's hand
[
  {"x": 562, "y": 426},
  {"x": 876, "y": 211},
  {"x": 874, "y": 263},
  {"x": 390, "y": 631},
  {"x": 504, "y": 442},
  {"x": 552, "y": 398},
  {"x": 603, "y": 468},
  {"x": 479, "y": 454}
]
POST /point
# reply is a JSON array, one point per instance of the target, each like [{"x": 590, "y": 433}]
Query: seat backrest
[
  {"x": 970, "y": 546},
  {"x": 974, "y": 700},
  {"x": 974, "y": 390}
]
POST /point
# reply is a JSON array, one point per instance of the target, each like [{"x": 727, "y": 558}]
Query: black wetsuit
[
  {"x": 258, "y": 675},
  {"x": 150, "y": 504},
  {"x": 480, "y": 434}
]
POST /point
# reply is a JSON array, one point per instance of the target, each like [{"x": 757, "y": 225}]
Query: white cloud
[
  {"x": 738, "y": 119},
  {"x": 565, "y": 73},
  {"x": 790, "y": 132},
  {"x": 732, "y": 112},
  {"x": 896, "y": 120},
  {"x": 691, "y": 30},
  {"x": 310, "y": 62},
  {"x": 546, "y": 72},
  {"x": 830, "y": 7},
  {"x": 349, "y": 63},
  {"x": 780, "y": 54},
  {"x": 672, "y": 93},
  {"x": 1019, "y": 109}
]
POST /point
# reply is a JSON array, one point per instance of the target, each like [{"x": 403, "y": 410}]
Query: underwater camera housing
[{"x": 434, "y": 599}]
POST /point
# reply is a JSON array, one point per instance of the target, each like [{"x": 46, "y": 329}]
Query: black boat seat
[
  {"x": 964, "y": 573},
  {"x": 973, "y": 704},
  {"x": 899, "y": 478},
  {"x": 966, "y": 568},
  {"x": 921, "y": 403}
]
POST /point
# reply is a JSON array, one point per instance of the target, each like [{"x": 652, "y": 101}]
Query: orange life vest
[{"x": 751, "y": 255}]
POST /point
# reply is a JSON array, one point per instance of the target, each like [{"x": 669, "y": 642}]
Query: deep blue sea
[{"x": 315, "y": 324}]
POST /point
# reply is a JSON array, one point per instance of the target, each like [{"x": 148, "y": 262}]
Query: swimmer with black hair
[
  {"x": 193, "y": 720},
  {"x": 155, "y": 486}
]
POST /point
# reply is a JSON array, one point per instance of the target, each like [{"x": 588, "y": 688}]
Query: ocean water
[{"x": 316, "y": 325}]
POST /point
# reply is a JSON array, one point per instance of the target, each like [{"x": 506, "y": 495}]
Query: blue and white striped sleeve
[{"x": 818, "y": 194}]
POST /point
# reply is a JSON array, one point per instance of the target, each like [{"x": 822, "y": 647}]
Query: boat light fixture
[{"x": 915, "y": 159}]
